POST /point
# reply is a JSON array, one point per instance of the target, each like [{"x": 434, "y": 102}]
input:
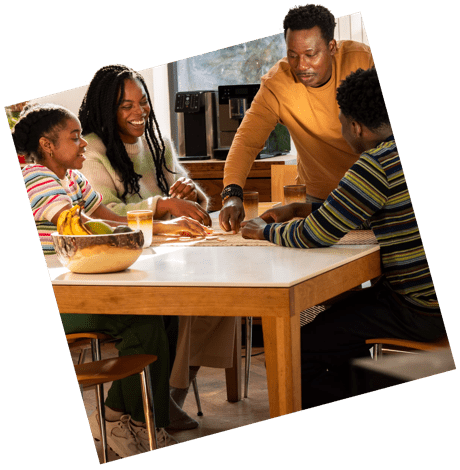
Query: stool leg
[
  {"x": 81, "y": 360},
  {"x": 96, "y": 349},
  {"x": 96, "y": 355},
  {"x": 376, "y": 352},
  {"x": 197, "y": 397},
  {"x": 102, "y": 427},
  {"x": 149, "y": 411},
  {"x": 81, "y": 357},
  {"x": 247, "y": 362}
]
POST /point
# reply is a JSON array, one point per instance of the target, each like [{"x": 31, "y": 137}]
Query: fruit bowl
[{"x": 89, "y": 254}]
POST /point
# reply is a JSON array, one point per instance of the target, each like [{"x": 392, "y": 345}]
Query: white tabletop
[{"x": 235, "y": 266}]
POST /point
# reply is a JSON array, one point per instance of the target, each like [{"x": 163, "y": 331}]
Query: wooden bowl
[{"x": 88, "y": 254}]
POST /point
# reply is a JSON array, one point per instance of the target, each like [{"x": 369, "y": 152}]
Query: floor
[{"x": 218, "y": 414}]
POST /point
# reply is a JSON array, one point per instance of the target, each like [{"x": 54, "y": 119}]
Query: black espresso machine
[
  {"x": 208, "y": 121},
  {"x": 197, "y": 124}
]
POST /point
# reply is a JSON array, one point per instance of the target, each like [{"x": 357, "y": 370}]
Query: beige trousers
[{"x": 202, "y": 341}]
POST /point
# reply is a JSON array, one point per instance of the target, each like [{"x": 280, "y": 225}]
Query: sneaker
[
  {"x": 119, "y": 435},
  {"x": 142, "y": 436}
]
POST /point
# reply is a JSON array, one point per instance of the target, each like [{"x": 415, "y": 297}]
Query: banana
[
  {"x": 61, "y": 221},
  {"x": 69, "y": 222},
  {"x": 67, "y": 229},
  {"x": 76, "y": 226}
]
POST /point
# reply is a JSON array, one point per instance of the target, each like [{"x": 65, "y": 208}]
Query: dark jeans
[{"x": 337, "y": 335}]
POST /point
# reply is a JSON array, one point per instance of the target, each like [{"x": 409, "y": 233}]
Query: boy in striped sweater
[{"x": 403, "y": 304}]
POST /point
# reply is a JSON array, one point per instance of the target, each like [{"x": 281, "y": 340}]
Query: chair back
[{"x": 281, "y": 175}]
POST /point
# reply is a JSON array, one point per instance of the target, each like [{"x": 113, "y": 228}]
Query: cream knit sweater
[{"x": 99, "y": 172}]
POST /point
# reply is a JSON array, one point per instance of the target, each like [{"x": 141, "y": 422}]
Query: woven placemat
[{"x": 221, "y": 238}]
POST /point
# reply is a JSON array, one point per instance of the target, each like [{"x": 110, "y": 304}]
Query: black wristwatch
[{"x": 232, "y": 190}]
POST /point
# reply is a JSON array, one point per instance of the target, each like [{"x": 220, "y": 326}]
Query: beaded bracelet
[{"x": 232, "y": 190}]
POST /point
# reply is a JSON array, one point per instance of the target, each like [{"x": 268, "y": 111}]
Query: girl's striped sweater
[{"x": 48, "y": 194}]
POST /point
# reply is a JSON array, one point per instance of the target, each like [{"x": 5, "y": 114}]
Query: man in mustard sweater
[{"x": 300, "y": 93}]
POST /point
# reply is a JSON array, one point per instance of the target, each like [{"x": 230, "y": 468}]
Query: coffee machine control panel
[
  {"x": 226, "y": 92},
  {"x": 189, "y": 102}
]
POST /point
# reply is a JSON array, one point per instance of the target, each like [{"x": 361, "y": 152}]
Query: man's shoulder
[
  {"x": 281, "y": 71},
  {"x": 352, "y": 47},
  {"x": 350, "y": 56}
]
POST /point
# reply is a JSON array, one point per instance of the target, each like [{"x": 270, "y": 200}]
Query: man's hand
[
  {"x": 254, "y": 229},
  {"x": 287, "y": 212},
  {"x": 232, "y": 214},
  {"x": 184, "y": 188}
]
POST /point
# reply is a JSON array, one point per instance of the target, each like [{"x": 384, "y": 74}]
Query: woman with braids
[
  {"x": 51, "y": 135},
  {"x": 403, "y": 303},
  {"x": 134, "y": 167}
]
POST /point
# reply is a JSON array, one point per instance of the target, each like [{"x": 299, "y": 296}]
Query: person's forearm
[
  {"x": 160, "y": 227},
  {"x": 302, "y": 209},
  {"x": 286, "y": 234},
  {"x": 163, "y": 206},
  {"x": 202, "y": 199},
  {"x": 108, "y": 216}
]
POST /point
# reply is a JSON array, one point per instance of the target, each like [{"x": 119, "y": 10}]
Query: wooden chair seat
[
  {"x": 108, "y": 370},
  {"x": 418, "y": 345},
  {"x": 99, "y": 372},
  {"x": 85, "y": 338},
  {"x": 404, "y": 345}
]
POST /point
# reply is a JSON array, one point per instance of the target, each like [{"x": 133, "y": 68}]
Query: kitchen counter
[{"x": 209, "y": 175}]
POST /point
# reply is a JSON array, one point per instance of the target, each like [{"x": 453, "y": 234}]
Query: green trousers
[{"x": 136, "y": 334}]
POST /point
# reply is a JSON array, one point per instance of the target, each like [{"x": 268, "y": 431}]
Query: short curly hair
[
  {"x": 360, "y": 97},
  {"x": 308, "y": 17}
]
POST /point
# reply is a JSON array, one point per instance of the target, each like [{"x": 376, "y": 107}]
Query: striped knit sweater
[
  {"x": 373, "y": 189},
  {"x": 48, "y": 194}
]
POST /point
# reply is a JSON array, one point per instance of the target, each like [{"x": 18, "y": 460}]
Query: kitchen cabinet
[{"x": 209, "y": 174}]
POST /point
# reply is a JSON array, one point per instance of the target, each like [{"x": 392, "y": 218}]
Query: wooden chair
[
  {"x": 77, "y": 343},
  {"x": 403, "y": 346},
  {"x": 80, "y": 344},
  {"x": 281, "y": 175},
  {"x": 98, "y": 372}
]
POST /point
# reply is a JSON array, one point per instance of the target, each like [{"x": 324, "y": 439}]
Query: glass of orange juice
[
  {"x": 295, "y": 193},
  {"x": 251, "y": 204},
  {"x": 142, "y": 220}
]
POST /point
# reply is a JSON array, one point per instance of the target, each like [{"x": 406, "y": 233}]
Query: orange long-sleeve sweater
[{"x": 310, "y": 114}]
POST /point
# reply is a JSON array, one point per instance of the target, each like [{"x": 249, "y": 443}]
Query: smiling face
[
  {"x": 67, "y": 150},
  {"x": 133, "y": 112},
  {"x": 309, "y": 56}
]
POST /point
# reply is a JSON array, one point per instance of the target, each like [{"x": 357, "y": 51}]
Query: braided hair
[
  {"x": 360, "y": 97},
  {"x": 98, "y": 114},
  {"x": 308, "y": 17},
  {"x": 36, "y": 121}
]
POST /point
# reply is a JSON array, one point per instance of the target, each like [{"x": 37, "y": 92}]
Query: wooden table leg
[
  {"x": 233, "y": 374},
  {"x": 282, "y": 356}
]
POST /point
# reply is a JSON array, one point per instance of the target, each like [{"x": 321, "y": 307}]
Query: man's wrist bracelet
[{"x": 232, "y": 190}]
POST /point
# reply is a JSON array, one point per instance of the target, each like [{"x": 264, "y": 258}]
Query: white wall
[
  {"x": 71, "y": 99},
  {"x": 351, "y": 27}
]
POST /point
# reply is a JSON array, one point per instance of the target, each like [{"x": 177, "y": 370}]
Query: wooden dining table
[{"x": 271, "y": 282}]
